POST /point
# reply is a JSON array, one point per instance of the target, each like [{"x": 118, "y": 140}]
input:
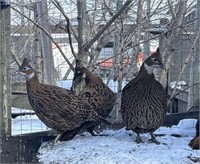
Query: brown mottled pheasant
[
  {"x": 195, "y": 142},
  {"x": 56, "y": 107},
  {"x": 144, "y": 100},
  {"x": 95, "y": 93}
]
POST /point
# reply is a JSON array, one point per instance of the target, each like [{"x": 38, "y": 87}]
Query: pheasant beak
[
  {"x": 18, "y": 72},
  {"x": 72, "y": 87},
  {"x": 161, "y": 65},
  {"x": 75, "y": 82}
]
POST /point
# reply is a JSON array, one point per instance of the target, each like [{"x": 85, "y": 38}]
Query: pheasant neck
[
  {"x": 30, "y": 76},
  {"x": 87, "y": 77},
  {"x": 32, "y": 82},
  {"x": 146, "y": 70}
]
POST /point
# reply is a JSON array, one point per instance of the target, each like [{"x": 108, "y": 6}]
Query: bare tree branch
[
  {"x": 89, "y": 44},
  {"x": 15, "y": 57},
  {"x": 171, "y": 9},
  {"x": 68, "y": 72},
  {"x": 186, "y": 88},
  {"x": 57, "y": 4},
  {"x": 47, "y": 33},
  {"x": 80, "y": 25},
  {"x": 184, "y": 66},
  {"x": 152, "y": 38},
  {"x": 156, "y": 9}
]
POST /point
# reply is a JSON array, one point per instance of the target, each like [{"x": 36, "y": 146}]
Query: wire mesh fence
[
  {"x": 115, "y": 69},
  {"x": 104, "y": 69}
]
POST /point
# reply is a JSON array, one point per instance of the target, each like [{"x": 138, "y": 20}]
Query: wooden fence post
[{"x": 5, "y": 76}]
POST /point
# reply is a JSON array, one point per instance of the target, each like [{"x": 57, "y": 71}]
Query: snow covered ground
[{"x": 118, "y": 147}]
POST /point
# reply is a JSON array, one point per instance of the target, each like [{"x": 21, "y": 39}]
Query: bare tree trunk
[
  {"x": 136, "y": 40},
  {"x": 116, "y": 63},
  {"x": 81, "y": 7},
  {"x": 37, "y": 57},
  {"x": 116, "y": 59},
  {"x": 48, "y": 61},
  {"x": 5, "y": 81},
  {"x": 146, "y": 34},
  {"x": 82, "y": 54}
]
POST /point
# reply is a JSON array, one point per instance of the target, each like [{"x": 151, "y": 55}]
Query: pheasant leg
[
  {"x": 91, "y": 131},
  {"x": 52, "y": 143},
  {"x": 153, "y": 139},
  {"x": 70, "y": 134},
  {"x": 138, "y": 138},
  {"x": 55, "y": 140}
]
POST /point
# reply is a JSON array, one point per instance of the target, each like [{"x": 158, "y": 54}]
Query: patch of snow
[
  {"x": 172, "y": 84},
  {"x": 182, "y": 83},
  {"x": 19, "y": 110},
  {"x": 119, "y": 147},
  {"x": 179, "y": 85},
  {"x": 65, "y": 84}
]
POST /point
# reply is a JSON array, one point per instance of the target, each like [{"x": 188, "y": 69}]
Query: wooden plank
[
  {"x": 19, "y": 96},
  {"x": 173, "y": 119},
  {"x": 5, "y": 81},
  {"x": 21, "y": 101}
]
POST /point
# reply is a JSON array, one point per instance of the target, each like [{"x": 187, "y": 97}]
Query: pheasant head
[
  {"x": 151, "y": 62},
  {"x": 26, "y": 69}
]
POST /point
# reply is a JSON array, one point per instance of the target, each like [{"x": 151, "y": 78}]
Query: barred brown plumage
[
  {"x": 195, "y": 142},
  {"x": 56, "y": 107},
  {"x": 144, "y": 100},
  {"x": 95, "y": 93}
]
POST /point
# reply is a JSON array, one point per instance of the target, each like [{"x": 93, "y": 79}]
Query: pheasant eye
[
  {"x": 154, "y": 59},
  {"x": 25, "y": 68}
]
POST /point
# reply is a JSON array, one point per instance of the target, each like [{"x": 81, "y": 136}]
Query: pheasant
[
  {"x": 195, "y": 142},
  {"x": 56, "y": 107},
  {"x": 95, "y": 93},
  {"x": 144, "y": 100}
]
